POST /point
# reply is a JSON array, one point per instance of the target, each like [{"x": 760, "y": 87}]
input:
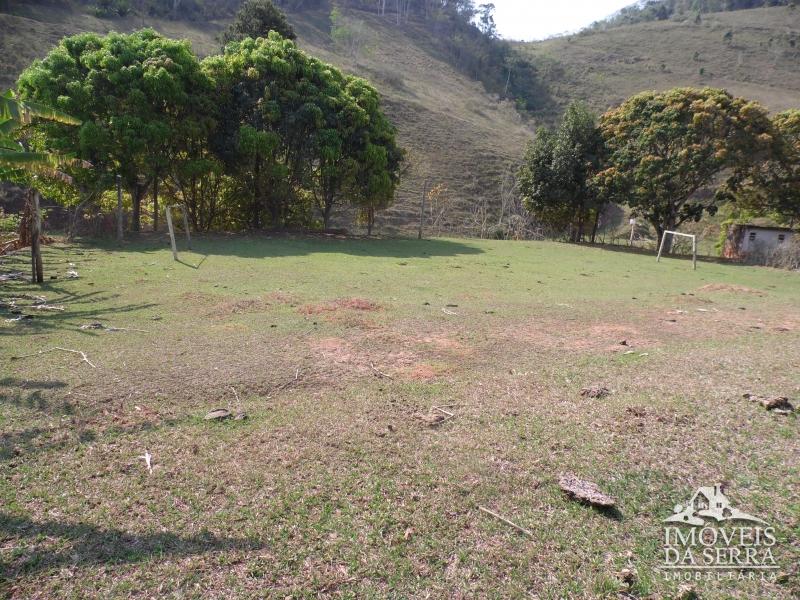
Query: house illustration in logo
[{"x": 709, "y": 502}]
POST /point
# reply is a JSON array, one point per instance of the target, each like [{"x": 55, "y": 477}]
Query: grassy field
[{"x": 336, "y": 485}]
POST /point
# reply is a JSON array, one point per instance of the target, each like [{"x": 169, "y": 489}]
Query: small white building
[{"x": 755, "y": 242}]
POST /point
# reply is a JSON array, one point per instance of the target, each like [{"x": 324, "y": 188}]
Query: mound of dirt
[{"x": 339, "y": 304}]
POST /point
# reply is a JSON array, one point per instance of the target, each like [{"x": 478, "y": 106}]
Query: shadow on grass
[
  {"x": 283, "y": 244},
  {"x": 93, "y": 545},
  {"x": 653, "y": 254},
  {"x": 39, "y": 321}
]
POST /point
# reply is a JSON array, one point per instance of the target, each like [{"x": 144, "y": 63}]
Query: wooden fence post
[
  {"x": 186, "y": 227},
  {"x": 171, "y": 233}
]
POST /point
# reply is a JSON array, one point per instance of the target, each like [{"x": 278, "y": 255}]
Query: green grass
[{"x": 334, "y": 485}]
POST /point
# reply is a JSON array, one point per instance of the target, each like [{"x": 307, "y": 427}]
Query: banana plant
[{"x": 14, "y": 157}]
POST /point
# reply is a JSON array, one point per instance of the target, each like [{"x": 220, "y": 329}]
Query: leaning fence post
[
  {"x": 186, "y": 227},
  {"x": 171, "y": 233}
]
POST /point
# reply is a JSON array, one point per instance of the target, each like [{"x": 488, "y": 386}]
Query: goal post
[
  {"x": 171, "y": 228},
  {"x": 686, "y": 235}
]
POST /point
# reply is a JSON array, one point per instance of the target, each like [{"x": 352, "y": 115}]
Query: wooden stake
[{"x": 172, "y": 233}]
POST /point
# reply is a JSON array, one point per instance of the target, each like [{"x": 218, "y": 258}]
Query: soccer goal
[
  {"x": 686, "y": 235},
  {"x": 182, "y": 207}
]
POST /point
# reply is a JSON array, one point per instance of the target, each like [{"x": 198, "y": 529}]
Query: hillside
[
  {"x": 455, "y": 133},
  {"x": 759, "y": 59},
  {"x": 659, "y": 10}
]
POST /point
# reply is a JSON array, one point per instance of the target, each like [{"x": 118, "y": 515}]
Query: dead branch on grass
[
  {"x": 57, "y": 348},
  {"x": 380, "y": 373},
  {"x": 506, "y": 521}
]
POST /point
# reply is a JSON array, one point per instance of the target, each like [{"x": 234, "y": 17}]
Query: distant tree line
[
  {"x": 655, "y": 153},
  {"x": 661, "y": 10},
  {"x": 260, "y": 135}
]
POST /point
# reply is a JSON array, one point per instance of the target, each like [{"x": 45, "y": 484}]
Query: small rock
[
  {"x": 72, "y": 274},
  {"x": 595, "y": 391},
  {"x": 584, "y": 491},
  {"x": 218, "y": 414},
  {"x": 240, "y": 416},
  {"x": 623, "y": 343},
  {"x": 777, "y": 404},
  {"x": 627, "y": 576},
  {"x": 431, "y": 420}
]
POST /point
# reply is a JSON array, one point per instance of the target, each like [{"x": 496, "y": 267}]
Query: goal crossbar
[{"x": 686, "y": 235}]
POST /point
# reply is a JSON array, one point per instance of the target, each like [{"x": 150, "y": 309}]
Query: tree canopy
[
  {"x": 772, "y": 187},
  {"x": 255, "y": 19},
  {"x": 665, "y": 146},
  {"x": 260, "y": 135},
  {"x": 556, "y": 179}
]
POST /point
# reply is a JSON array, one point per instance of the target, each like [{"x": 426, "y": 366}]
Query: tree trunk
[
  {"x": 136, "y": 216},
  {"x": 37, "y": 270},
  {"x": 596, "y": 224},
  {"x": 255, "y": 217},
  {"x": 155, "y": 204}
]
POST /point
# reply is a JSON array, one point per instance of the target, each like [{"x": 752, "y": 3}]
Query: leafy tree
[
  {"x": 138, "y": 95},
  {"x": 486, "y": 20},
  {"x": 15, "y": 158},
  {"x": 772, "y": 187},
  {"x": 293, "y": 130},
  {"x": 255, "y": 19},
  {"x": 664, "y": 147},
  {"x": 556, "y": 179}
]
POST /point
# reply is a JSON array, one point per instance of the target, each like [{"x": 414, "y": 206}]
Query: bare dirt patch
[
  {"x": 337, "y": 305},
  {"x": 574, "y": 336},
  {"x": 420, "y": 372},
  {"x": 726, "y": 287},
  {"x": 358, "y": 359}
]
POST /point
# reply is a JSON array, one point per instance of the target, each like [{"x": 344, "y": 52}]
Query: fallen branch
[
  {"x": 57, "y": 348},
  {"x": 381, "y": 373},
  {"x": 443, "y": 411},
  {"x": 506, "y": 521},
  {"x": 48, "y": 307},
  {"x": 449, "y": 312}
]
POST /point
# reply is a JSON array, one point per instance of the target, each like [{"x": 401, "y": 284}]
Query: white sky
[{"x": 538, "y": 19}]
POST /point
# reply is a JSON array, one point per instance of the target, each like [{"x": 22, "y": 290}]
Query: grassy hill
[
  {"x": 760, "y": 59},
  {"x": 456, "y": 134}
]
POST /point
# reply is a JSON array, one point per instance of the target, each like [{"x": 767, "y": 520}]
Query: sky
[{"x": 539, "y": 19}]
